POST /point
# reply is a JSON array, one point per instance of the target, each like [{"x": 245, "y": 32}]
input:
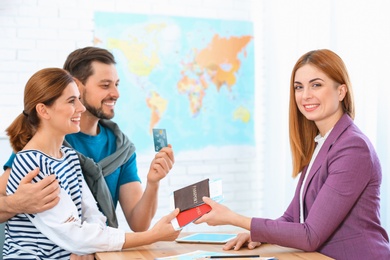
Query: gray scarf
[{"x": 94, "y": 173}]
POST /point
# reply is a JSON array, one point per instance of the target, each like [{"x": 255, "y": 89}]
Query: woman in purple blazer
[{"x": 335, "y": 209}]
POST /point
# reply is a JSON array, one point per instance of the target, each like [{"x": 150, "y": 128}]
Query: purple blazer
[{"x": 341, "y": 202}]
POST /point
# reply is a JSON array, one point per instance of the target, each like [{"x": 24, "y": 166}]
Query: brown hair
[
  {"x": 79, "y": 61},
  {"x": 45, "y": 86},
  {"x": 303, "y": 131}
]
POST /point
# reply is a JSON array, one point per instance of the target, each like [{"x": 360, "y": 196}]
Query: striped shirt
[{"x": 57, "y": 232}]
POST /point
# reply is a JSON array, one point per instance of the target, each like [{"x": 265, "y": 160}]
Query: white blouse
[{"x": 320, "y": 140}]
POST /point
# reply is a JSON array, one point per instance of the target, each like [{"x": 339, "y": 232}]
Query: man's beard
[{"x": 98, "y": 111}]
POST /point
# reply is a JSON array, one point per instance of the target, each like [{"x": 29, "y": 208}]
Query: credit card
[{"x": 160, "y": 139}]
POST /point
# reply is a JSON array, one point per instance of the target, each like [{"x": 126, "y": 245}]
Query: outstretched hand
[
  {"x": 36, "y": 197},
  {"x": 219, "y": 214},
  {"x": 222, "y": 215},
  {"x": 163, "y": 229},
  {"x": 161, "y": 165}
]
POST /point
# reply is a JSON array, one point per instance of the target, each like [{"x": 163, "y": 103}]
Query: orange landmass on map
[
  {"x": 220, "y": 59},
  {"x": 194, "y": 89},
  {"x": 216, "y": 64},
  {"x": 157, "y": 106}
]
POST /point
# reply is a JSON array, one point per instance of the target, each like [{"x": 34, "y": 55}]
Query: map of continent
[
  {"x": 218, "y": 63},
  {"x": 192, "y": 76}
]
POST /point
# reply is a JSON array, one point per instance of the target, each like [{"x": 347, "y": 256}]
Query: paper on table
[{"x": 198, "y": 254}]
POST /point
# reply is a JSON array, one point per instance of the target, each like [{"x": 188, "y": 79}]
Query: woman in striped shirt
[{"x": 75, "y": 226}]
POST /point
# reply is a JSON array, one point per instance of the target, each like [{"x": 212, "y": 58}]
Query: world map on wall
[{"x": 194, "y": 77}]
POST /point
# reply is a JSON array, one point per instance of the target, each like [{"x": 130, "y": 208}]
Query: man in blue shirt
[{"x": 100, "y": 139}]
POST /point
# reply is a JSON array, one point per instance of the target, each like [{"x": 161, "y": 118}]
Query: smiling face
[
  {"x": 318, "y": 97},
  {"x": 66, "y": 111},
  {"x": 100, "y": 92}
]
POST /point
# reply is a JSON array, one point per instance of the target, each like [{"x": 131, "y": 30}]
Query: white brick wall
[
  {"x": 41, "y": 33},
  {"x": 290, "y": 28}
]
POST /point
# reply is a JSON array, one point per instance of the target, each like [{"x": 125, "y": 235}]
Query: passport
[
  {"x": 190, "y": 215},
  {"x": 191, "y": 196},
  {"x": 189, "y": 201}
]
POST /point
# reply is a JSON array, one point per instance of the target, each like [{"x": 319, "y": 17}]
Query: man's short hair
[{"x": 79, "y": 61}]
